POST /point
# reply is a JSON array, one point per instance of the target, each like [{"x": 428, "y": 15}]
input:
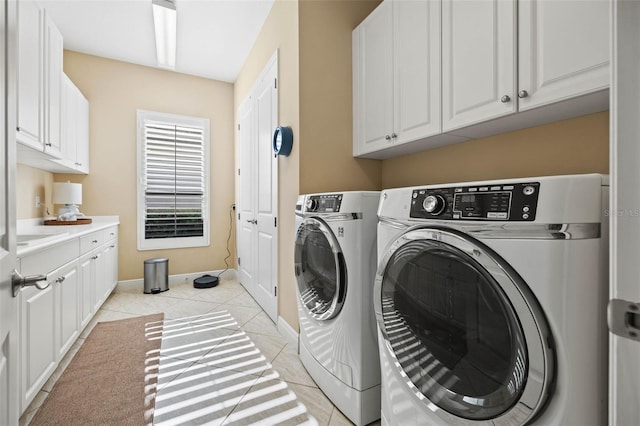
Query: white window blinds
[{"x": 173, "y": 181}]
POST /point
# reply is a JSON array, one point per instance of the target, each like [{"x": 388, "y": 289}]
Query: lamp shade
[{"x": 67, "y": 193}]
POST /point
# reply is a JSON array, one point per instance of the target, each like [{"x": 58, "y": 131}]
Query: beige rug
[{"x": 111, "y": 380}]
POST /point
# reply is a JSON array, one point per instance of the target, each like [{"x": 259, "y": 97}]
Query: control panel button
[
  {"x": 525, "y": 216},
  {"x": 525, "y": 209},
  {"x": 434, "y": 204},
  {"x": 528, "y": 190},
  {"x": 312, "y": 204}
]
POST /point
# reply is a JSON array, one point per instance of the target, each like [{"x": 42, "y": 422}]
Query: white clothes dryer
[
  {"x": 335, "y": 262},
  {"x": 490, "y": 299}
]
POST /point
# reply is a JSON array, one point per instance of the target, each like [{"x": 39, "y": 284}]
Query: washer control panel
[
  {"x": 326, "y": 203},
  {"x": 514, "y": 202}
]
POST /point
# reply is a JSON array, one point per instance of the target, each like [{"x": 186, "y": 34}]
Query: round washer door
[
  {"x": 320, "y": 269},
  {"x": 464, "y": 330}
]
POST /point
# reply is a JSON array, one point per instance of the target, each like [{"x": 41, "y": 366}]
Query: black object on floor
[{"x": 205, "y": 281}]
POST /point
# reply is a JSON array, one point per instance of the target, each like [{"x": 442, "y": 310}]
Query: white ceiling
[{"x": 214, "y": 36}]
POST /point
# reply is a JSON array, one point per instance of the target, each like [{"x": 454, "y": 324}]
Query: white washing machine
[
  {"x": 490, "y": 299},
  {"x": 335, "y": 262}
]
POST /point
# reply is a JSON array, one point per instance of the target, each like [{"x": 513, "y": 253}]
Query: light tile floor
[{"x": 222, "y": 360}]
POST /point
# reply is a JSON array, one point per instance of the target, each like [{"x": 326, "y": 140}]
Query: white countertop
[{"x": 56, "y": 234}]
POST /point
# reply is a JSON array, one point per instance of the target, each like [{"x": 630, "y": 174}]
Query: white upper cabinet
[
  {"x": 30, "y": 78},
  {"x": 75, "y": 130},
  {"x": 53, "y": 88},
  {"x": 464, "y": 69},
  {"x": 373, "y": 81},
  {"x": 478, "y": 61},
  {"x": 396, "y": 66},
  {"x": 53, "y": 117},
  {"x": 563, "y": 50},
  {"x": 502, "y": 57}
]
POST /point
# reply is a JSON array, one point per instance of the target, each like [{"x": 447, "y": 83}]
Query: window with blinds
[{"x": 172, "y": 181}]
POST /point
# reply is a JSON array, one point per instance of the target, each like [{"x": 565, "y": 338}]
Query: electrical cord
[{"x": 226, "y": 263}]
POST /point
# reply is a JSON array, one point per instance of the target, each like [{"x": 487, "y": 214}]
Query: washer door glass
[
  {"x": 320, "y": 269},
  {"x": 452, "y": 328}
]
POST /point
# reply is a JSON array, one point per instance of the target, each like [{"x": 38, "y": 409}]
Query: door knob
[
  {"x": 254, "y": 221},
  {"x": 18, "y": 281}
]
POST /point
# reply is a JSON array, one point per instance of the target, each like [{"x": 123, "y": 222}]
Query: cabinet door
[
  {"x": 30, "y": 90},
  {"x": 38, "y": 341},
  {"x": 86, "y": 290},
  {"x": 69, "y": 122},
  {"x": 82, "y": 138},
  {"x": 563, "y": 49},
  {"x": 53, "y": 89},
  {"x": 67, "y": 288},
  {"x": 416, "y": 51},
  {"x": 478, "y": 61},
  {"x": 373, "y": 81}
]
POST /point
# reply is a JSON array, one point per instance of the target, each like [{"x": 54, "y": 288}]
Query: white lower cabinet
[
  {"x": 66, "y": 286},
  {"x": 38, "y": 336},
  {"x": 81, "y": 273}
]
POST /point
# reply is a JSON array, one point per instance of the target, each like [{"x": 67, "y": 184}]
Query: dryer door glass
[
  {"x": 453, "y": 329},
  {"x": 320, "y": 270}
]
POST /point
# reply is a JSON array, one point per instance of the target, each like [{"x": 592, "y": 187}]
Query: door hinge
[
  {"x": 275, "y": 83},
  {"x": 238, "y": 126},
  {"x": 238, "y": 216},
  {"x": 238, "y": 261},
  {"x": 275, "y": 222},
  {"x": 623, "y": 318},
  {"x": 238, "y": 172},
  {"x": 275, "y": 291}
]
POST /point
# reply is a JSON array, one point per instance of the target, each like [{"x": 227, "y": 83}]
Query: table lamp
[{"x": 69, "y": 194}]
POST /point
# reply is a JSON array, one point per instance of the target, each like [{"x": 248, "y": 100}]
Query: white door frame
[
  {"x": 624, "y": 378},
  {"x": 9, "y": 362}
]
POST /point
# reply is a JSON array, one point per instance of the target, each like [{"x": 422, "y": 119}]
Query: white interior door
[
  {"x": 9, "y": 388},
  {"x": 246, "y": 231},
  {"x": 266, "y": 110},
  {"x": 624, "y": 386},
  {"x": 257, "y": 196}
]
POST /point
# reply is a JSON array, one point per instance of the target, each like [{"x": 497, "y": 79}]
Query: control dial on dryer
[
  {"x": 434, "y": 204},
  {"x": 312, "y": 204}
]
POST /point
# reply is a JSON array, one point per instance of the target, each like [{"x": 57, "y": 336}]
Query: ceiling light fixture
[{"x": 164, "y": 21}]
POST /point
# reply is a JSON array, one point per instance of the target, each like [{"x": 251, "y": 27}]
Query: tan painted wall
[
  {"x": 280, "y": 32},
  {"x": 314, "y": 42},
  {"x": 31, "y": 182},
  {"x": 326, "y": 107},
  {"x": 115, "y": 91},
  {"x": 578, "y": 145}
]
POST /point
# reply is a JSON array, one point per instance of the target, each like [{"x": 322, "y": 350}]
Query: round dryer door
[
  {"x": 321, "y": 272},
  {"x": 465, "y": 331}
]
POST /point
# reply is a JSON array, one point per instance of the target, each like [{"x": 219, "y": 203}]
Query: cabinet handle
[
  {"x": 48, "y": 144},
  {"x": 393, "y": 135},
  {"x": 94, "y": 241},
  {"x": 113, "y": 246},
  {"x": 95, "y": 257},
  {"x": 504, "y": 99},
  {"x": 523, "y": 94},
  {"x": 387, "y": 137},
  {"x": 61, "y": 279}
]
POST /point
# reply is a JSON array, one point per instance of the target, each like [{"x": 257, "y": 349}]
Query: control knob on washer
[
  {"x": 434, "y": 204},
  {"x": 312, "y": 204}
]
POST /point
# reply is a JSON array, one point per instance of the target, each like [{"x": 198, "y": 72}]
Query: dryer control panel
[
  {"x": 326, "y": 203},
  {"x": 516, "y": 202}
]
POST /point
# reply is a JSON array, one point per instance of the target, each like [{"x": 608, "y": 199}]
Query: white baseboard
[
  {"x": 288, "y": 332},
  {"x": 138, "y": 284}
]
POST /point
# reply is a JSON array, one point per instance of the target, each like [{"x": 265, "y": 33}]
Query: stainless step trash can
[{"x": 156, "y": 275}]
